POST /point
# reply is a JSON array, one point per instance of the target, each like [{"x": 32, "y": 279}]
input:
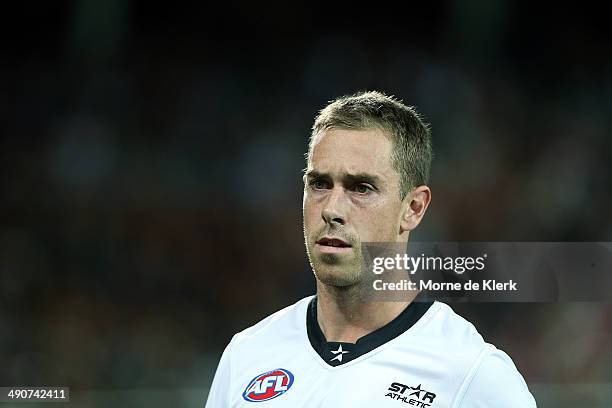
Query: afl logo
[{"x": 268, "y": 385}]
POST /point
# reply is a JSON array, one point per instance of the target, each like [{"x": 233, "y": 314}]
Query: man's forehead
[{"x": 351, "y": 152}]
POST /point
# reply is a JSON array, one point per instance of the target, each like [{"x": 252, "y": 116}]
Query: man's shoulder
[
  {"x": 444, "y": 335},
  {"x": 284, "y": 323},
  {"x": 448, "y": 326},
  {"x": 480, "y": 362}
]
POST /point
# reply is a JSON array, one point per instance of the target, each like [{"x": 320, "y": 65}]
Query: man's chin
[
  {"x": 332, "y": 260},
  {"x": 337, "y": 275}
]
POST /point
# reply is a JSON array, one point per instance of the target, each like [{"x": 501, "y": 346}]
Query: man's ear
[{"x": 415, "y": 204}]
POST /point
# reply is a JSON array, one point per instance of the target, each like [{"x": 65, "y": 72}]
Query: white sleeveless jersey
[{"x": 427, "y": 357}]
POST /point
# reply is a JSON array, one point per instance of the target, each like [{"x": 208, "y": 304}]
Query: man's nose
[{"x": 335, "y": 208}]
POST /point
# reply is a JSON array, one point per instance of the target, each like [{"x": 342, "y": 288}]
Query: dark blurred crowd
[{"x": 151, "y": 183}]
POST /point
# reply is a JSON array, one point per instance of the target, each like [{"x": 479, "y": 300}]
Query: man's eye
[
  {"x": 319, "y": 184},
  {"x": 362, "y": 188}
]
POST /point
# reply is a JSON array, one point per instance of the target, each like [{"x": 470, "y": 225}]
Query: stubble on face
[
  {"x": 336, "y": 207},
  {"x": 339, "y": 270}
]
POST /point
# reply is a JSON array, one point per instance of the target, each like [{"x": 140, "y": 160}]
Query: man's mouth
[{"x": 332, "y": 245}]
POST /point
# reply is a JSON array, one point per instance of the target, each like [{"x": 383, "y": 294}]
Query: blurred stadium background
[{"x": 151, "y": 162}]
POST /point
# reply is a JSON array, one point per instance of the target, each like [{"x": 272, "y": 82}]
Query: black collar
[{"x": 337, "y": 353}]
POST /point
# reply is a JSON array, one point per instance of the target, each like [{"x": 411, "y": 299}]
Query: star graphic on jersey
[
  {"x": 418, "y": 391},
  {"x": 338, "y": 354}
]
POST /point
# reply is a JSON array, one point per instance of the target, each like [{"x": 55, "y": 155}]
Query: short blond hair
[{"x": 411, "y": 136}]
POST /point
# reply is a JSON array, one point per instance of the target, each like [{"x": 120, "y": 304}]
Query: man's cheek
[
  {"x": 312, "y": 214},
  {"x": 308, "y": 221},
  {"x": 380, "y": 233}
]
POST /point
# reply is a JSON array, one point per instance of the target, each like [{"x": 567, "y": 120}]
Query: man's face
[{"x": 351, "y": 195}]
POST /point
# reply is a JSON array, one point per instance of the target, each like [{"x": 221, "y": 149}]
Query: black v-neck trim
[{"x": 338, "y": 353}]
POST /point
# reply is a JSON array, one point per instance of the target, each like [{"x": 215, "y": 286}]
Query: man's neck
[{"x": 344, "y": 317}]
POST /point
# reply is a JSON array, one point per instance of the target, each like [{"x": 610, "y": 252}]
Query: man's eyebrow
[
  {"x": 314, "y": 174},
  {"x": 348, "y": 177},
  {"x": 363, "y": 177}
]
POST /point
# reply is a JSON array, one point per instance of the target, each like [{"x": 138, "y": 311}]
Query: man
[{"x": 368, "y": 165}]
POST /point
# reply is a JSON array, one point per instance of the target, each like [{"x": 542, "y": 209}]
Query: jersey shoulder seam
[{"x": 487, "y": 350}]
